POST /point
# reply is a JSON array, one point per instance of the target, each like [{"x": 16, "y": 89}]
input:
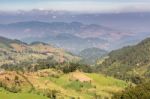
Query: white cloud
[{"x": 82, "y": 6}]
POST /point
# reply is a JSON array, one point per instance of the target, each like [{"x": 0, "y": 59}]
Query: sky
[{"x": 77, "y": 5}]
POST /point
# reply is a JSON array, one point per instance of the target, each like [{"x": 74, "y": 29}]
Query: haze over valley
[{"x": 76, "y": 31}]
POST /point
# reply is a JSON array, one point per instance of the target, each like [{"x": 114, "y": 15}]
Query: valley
[{"x": 74, "y": 49}]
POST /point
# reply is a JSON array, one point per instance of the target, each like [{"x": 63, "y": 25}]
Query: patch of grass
[
  {"x": 61, "y": 81},
  {"x": 106, "y": 81},
  {"x": 76, "y": 85},
  {"x": 8, "y": 95}
]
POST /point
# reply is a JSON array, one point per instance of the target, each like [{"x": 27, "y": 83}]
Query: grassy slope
[
  {"x": 100, "y": 85},
  {"x": 68, "y": 87}
]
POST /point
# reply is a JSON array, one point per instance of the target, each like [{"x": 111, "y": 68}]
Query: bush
[
  {"x": 51, "y": 93},
  {"x": 141, "y": 91}
]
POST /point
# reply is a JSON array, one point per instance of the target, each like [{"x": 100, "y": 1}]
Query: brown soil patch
[{"x": 80, "y": 77}]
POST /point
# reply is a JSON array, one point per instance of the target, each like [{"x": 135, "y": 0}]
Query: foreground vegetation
[
  {"x": 55, "y": 84},
  {"x": 141, "y": 91}
]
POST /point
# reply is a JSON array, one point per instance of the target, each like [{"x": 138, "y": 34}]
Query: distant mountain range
[
  {"x": 44, "y": 29},
  {"x": 133, "y": 21},
  {"x": 76, "y": 31},
  {"x": 74, "y": 36}
]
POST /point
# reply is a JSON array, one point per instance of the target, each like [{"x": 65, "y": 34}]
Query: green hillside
[{"x": 129, "y": 63}]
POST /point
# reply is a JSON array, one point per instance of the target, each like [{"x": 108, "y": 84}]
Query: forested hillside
[{"x": 129, "y": 63}]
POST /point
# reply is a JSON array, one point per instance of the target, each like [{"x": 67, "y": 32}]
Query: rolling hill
[{"x": 16, "y": 52}]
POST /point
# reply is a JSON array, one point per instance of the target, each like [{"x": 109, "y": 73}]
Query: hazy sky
[{"x": 77, "y": 5}]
